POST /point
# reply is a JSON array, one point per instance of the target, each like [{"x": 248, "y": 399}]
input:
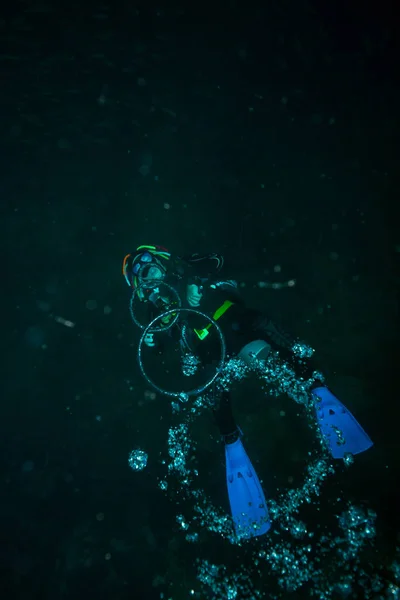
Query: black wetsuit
[{"x": 240, "y": 324}]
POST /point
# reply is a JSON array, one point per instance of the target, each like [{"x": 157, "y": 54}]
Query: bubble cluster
[
  {"x": 223, "y": 585},
  {"x": 395, "y": 568},
  {"x": 292, "y": 565},
  {"x": 296, "y": 554},
  {"x": 189, "y": 364},
  {"x": 290, "y": 502},
  {"x": 180, "y": 519},
  {"x": 179, "y": 445},
  {"x": 234, "y": 370},
  {"x": 296, "y": 565},
  {"x": 302, "y": 350},
  {"x": 358, "y": 526},
  {"x": 348, "y": 459},
  {"x": 137, "y": 460},
  {"x": 280, "y": 378}
]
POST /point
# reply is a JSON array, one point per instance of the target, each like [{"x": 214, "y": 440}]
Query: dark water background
[{"x": 268, "y": 134}]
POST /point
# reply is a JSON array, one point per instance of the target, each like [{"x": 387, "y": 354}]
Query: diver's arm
[
  {"x": 149, "y": 339},
  {"x": 197, "y": 271},
  {"x": 156, "y": 305}
]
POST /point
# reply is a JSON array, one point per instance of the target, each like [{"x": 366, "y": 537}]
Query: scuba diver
[
  {"x": 186, "y": 275},
  {"x": 249, "y": 334}
]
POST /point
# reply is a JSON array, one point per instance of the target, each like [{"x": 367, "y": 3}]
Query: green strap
[{"x": 203, "y": 333}]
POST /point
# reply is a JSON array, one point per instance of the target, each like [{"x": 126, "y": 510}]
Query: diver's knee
[{"x": 257, "y": 349}]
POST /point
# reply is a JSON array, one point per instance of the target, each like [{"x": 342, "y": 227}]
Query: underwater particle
[
  {"x": 34, "y": 336},
  {"x": 51, "y": 288},
  {"x": 395, "y": 567},
  {"x": 189, "y": 364},
  {"x": 182, "y": 522},
  {"x": 167, "y": 206},
  {"x": 302, "y": 350},
  {"x": 158, "y": 580},
  {"x": 316, "y": 119},
  {"x": 64, "y": 144},
  {"x": 107, "y": 310},
  {"x": 91, "y": 304},
  {"x": 144, "y": 170},
  {"x": 102, "y": 99},
  {"x": 107, "y": 556},
  {"x": 65, "y": 322},
  {"x": 146, "y": 161},
  {"x": 343, "y": 589},
  {"x": 137, "y": 460},
  {"x": 348, "y": 459},
  {"x": 28, "y": 466},
  {"x": 298, "y": 529},
  {"x": 43, "y": 306},
  {"x": 100, "y": 516}
]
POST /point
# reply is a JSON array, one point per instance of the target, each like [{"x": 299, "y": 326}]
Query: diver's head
[
  {"x": 152, "y": 273},
  {"x": 149, "y": 267}
]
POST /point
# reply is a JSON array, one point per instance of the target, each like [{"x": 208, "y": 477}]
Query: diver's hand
[
  {"x": 149, "y": 340},
  {"x": 193, "y": 294}
]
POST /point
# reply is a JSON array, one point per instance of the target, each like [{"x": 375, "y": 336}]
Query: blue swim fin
[
  {"x": 246, "y": 497},
  {"x": 338, "y": 426}
]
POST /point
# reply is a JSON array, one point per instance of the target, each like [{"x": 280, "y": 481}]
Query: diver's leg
[
  {"x": 341, "y": 431},
  {"x": 257, "y": 349},
  {"x": 224, "y": 417},
  {"x": 246, "y": 497}
]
